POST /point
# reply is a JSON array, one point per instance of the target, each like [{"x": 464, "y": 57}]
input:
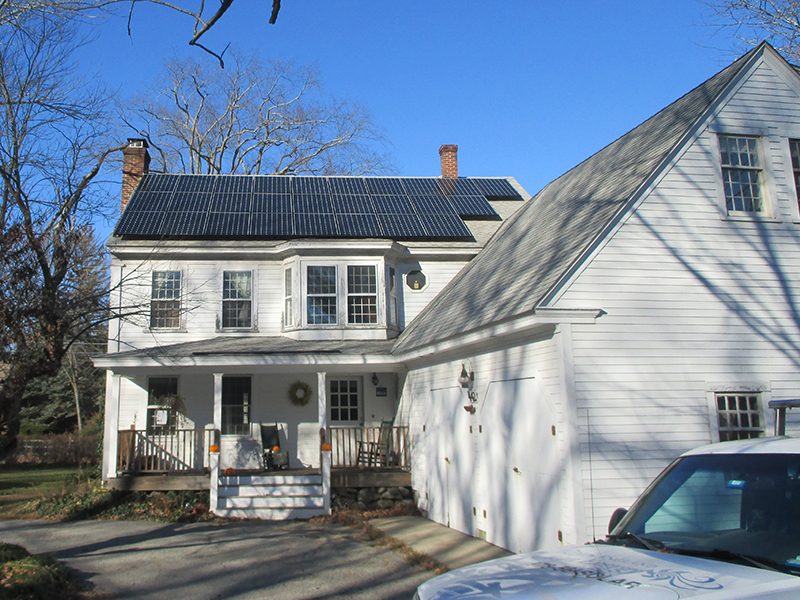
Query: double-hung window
[
  {"x": 739, "y": 416},
  {"x": 288, "y": 313},
  {"x": 237, "y": 299},
  {"x": 362, "y": 295},
  {"x": 165, "y": 300},
  {"x": 741, "y": 174},
  {"x": 321, "y": 305}
]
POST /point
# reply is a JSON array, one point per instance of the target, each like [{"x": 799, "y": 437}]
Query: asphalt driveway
[{"x": 133, "y": 559}]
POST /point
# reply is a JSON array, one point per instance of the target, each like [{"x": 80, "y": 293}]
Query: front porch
[{"x": 361, "y": 456}]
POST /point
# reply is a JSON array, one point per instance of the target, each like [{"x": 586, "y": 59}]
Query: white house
[
  {"x": 641, "y": 304},
  {"x": 275, "y": 301}
]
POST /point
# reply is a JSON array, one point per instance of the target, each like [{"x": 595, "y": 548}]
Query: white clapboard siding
[
  {"x": 438, "y": 275},
  {"x": 695, "y": 302}
]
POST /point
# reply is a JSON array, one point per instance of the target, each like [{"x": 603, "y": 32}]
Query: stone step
[
  {"x": 270, "y": 514},
  {"x": 272, "y": 491},
  {"x": 234, "y": 480},
  {"x": 271, "y": 502}
]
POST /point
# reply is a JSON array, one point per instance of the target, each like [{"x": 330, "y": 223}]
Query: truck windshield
[{"x": 737, "y": 507}]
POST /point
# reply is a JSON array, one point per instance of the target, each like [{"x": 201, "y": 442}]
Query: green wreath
[{"x": 299, "y": 393}]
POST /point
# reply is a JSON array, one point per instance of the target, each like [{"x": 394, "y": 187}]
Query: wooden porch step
[
  {"x": 270, "y": 514},
  {"x": 270, "y": 480},
  {"x": 272, "y": 491},
  {"x": 270, "y": 502}
]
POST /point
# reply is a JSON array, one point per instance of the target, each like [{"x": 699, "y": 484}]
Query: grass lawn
[{"x": 18, "y": 485}]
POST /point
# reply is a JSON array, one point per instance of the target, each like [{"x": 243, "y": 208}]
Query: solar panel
[
  {"x": 392, "y": 205},
  {"x": 445, "y": 226},
  {"x": 158, "y": 182},
  {"x": 347, "y": 186},
  {"x": 235, "y": 184},
  {"x": 272, "y": 203},
  {"x": 416, "y": 186},
  {"x": 432, "y": 205},
  {"x": 385, "y": 186},
  {"x": 195, "y": 183},
  {"x": 458, "y": 186},
  {"x": 315, "y": 225},
  {"x": 189, "y": 202},
  {"x": 310, "y": 185},
  {"x": 312, "y": 204},
  {"x": 185, "y": 223},
  {"x": 231, "y": 203},
  {"x": 474, "y": 206},
  {"x": 497, "y": 188},
  {"x": 272, "y": 184},
  {"x": 359, "y": 225},
  {"x": 231, "y": 224},
  {"x": 401, "y": 226},
  {"x": 271, "y": 225},
  {"x": 141, "y": 223},
  {"x": 352, "y": 205},
  {"x": 148, "y": 201}
]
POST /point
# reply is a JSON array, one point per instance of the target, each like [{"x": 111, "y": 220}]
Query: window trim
[
  {"x": 253, "y": 299},
  {"x": 180, "y": 316}
]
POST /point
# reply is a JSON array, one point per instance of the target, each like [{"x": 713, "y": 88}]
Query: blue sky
[{"x": 526, "y": 89}]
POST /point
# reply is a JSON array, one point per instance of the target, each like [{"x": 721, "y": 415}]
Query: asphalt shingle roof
[{"x": 536, "y": 247}]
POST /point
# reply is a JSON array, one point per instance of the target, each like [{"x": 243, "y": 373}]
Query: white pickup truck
[{"x": 721, "y": 522}]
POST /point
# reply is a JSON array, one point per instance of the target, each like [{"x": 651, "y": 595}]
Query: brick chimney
[
  {"x": 448, "y": 153},
  {"x": 135, "y": 163}
]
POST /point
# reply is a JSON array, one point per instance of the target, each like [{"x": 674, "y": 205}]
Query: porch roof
[{"x": 253, "y": 350}]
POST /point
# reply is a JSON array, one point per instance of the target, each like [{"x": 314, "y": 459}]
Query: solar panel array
[{"x": 281, "y": 207}]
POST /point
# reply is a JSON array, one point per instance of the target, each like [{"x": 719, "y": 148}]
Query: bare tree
[
  {"x": 778, "y": 21},
  {"x": 253, "y": 118},
  {"x": 52, "y": 146},
  {"x": 203, "y": 18}
]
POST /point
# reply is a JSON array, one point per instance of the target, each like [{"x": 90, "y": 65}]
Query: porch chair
[
  {"x": 379, "y": 453},
  {"x": 273, "y": 458}
]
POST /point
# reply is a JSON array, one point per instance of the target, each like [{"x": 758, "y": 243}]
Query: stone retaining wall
[{"x": 371, "y": 498}]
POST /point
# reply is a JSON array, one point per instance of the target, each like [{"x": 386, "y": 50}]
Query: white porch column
[
  {"x": 111, "y": 425},
  {"x": 324, "y": 438},
  {"x": 218, "y": 401}
]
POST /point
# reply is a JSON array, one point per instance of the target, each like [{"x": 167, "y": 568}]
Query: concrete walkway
[{"x": 447, "y": 546}]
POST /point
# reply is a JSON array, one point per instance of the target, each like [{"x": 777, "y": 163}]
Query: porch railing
[
  {"x": 182, "y": 450},
  {"x": 370, "y": 447}
]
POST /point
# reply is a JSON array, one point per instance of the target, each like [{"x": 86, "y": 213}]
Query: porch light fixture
[
  {"x": 375, "y": 380},
  {"x": 467, "y": 381}
]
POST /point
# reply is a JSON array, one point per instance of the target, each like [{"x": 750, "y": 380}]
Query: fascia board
[
  {"x": 627, "y": 210},
  {"x": 311, "y": 362}
]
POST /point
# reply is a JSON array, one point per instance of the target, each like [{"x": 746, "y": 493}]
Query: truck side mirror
[{"x": 616, "y": 517}]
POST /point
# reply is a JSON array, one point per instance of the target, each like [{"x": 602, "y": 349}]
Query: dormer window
[{"x": 741, "y": 174}]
